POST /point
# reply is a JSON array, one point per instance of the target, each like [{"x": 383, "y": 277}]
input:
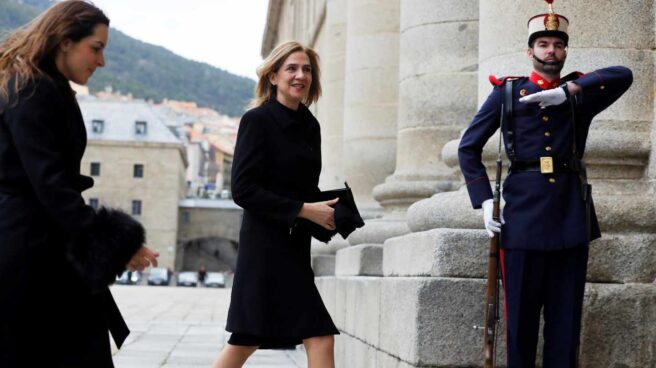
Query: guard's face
[
  {"x": 551, "y": 50},
  {"x": 77, "y": 61},
  {"x": 293, "y": 79}
]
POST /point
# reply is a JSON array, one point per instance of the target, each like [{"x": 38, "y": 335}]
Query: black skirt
[{"x": 262, "y": 342}]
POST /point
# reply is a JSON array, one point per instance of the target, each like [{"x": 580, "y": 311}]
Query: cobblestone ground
[{"x": 177, "y": 327}]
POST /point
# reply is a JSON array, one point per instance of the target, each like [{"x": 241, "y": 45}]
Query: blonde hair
[
  {"x": 264, "y": 90},
  {"x": 30, "y": 51}
]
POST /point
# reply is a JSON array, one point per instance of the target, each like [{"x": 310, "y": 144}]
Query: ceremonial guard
[{"x": 549, "y": 218}]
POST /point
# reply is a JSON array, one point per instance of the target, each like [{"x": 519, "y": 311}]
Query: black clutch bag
[
  {"x": 345, "y": 196},
  {"x": 347, "y": 216}
]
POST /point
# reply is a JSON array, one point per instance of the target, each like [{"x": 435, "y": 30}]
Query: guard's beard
[
  {"x": 549, "y": 67},
  {"x": 550, "y": 63}
]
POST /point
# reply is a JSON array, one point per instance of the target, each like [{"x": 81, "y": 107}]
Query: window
[
  {"x": 93, "y": 202},
  {"x": 136, "y": 207},
  {"x": 138, "y": 171},
  {"x": 186, "y": 217},
  {"x": 140, "y": 127},
  {"x": 95, "y": 169},
  {"x": 97, "y": 126}
]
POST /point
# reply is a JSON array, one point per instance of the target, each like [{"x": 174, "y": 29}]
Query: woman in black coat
[
  {"x": 275, "y": 173},
  {"x": 57, "y": 255}
]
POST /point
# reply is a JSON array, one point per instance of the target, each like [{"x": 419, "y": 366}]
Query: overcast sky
[{"x": 223, "y": 33}]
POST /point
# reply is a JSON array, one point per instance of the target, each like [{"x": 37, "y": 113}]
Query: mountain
[{"x": 148, "y": 71}]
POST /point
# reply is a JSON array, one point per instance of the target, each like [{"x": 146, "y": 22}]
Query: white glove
[
  {"x": 491, "y": 226},
  {"x": 550, "y": 97}
]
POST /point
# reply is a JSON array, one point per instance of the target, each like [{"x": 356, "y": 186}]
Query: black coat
[
  {"x": 57, "y": 255},
  {"x": 276, "y": 168}
]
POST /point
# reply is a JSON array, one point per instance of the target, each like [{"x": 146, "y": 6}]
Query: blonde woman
[{"x": 275, "y": 171}]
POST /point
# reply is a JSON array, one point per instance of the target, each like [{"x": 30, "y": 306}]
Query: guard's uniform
[
  {"x": 549, "y": 216},
  {"x": 545, "y": 236},
  {"x": 542, "y": 212}
]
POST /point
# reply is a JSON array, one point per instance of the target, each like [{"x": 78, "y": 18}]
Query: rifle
[{"x": 492, "y": 293}]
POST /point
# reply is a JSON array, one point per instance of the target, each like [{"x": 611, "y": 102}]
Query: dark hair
[
  {"x": 29, "y": 51},
  {"x": 562, "y": 35}
]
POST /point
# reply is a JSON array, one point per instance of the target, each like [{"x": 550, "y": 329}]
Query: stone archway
[{"x": 216, "y": 254}]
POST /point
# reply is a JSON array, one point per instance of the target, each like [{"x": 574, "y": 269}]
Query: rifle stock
[{"x": 492, "y": 293}]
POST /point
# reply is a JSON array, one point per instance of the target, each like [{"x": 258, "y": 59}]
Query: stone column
[
  {"x": 332, "y": 174},
  {"x": 437, "y": 93},
  {"x": 437, "y": 74},
  {"x": 370, "y": 97},
  {"x": 448, "y": 240},
  {"x": 333, "y": 61}
]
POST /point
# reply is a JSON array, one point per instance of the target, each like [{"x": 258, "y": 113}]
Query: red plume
[{"x": 549, "y": 1}]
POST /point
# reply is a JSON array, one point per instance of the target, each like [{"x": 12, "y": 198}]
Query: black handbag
[{"x": 347, "y": 216}]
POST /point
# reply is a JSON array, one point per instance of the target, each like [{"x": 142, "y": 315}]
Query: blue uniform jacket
[{"x": 542, "y": 211}]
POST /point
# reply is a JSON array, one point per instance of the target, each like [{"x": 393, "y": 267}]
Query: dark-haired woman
[{"x": 57, "y": 255}]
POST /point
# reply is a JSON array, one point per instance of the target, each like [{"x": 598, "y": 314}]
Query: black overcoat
[
  {"x": 57, "y": 255},
  {"x": 276, "y": 168}
]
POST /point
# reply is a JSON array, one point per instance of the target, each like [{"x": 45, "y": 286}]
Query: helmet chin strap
[{"x": 553, "y": 63}]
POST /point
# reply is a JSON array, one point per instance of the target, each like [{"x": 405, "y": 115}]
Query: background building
[
  {"x": 138, "y": 165},
  {"x": 402, "y": 79},
  {"x": 209, "y": 139}
]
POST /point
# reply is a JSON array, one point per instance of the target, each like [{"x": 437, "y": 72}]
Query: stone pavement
[{"x": 178, "y": 327}]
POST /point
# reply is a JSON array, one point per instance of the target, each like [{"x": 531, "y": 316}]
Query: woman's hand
[
  {"x": 321, "y": 213},
  {"x": 143, "y": 258}
]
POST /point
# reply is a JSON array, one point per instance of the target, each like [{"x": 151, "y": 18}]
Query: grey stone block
[
  {"x": 377, "y": 230},
  {"x": 351, "y": 352},
  {"x": 618, "y": 258},
  {"x": 417, "y": 13},
  {"x": 327, "y": 288},
  {"x": 363, "y": 308},
  {"x": 323, "y": 264},
  {"x": 363, "y": 259},
  {"x": 331, "y": 248},
  {"x": 439, "y": 252},
  {"x": 618, "y": 328},
  {"x": 388, "y": 361},
  {"x": 341, "y": 302},
  {"x": 451, "y": 210},
  {"x": 429, "y": 321},
  {"x": 623, "y": 258}
]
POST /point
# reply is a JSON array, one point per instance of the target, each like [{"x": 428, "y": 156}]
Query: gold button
[
  {"x": 540, "y": 82},
  {"x": 602, "y": 87},
  {"x": 552, "y": 180},
  {"x": 545, "y": 118},
  {"x": 547, "y": 148},
  {"x": 547, "y": 134}
]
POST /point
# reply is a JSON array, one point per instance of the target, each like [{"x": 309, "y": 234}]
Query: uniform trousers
[{"x": 552, "y": 282}]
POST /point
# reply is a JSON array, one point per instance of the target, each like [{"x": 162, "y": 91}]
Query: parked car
[
  {"x": 215, "y": 279},
  {"x": 123, "y": 279},
  {"x": 159, "y": 276},
  {"x": 129, "y": 278},
  {"x": 187, "y": 279}
]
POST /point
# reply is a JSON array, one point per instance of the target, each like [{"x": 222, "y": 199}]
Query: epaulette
[
  {"x": 499, "y": 82},
  {"x": 572, "y": 76}
]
